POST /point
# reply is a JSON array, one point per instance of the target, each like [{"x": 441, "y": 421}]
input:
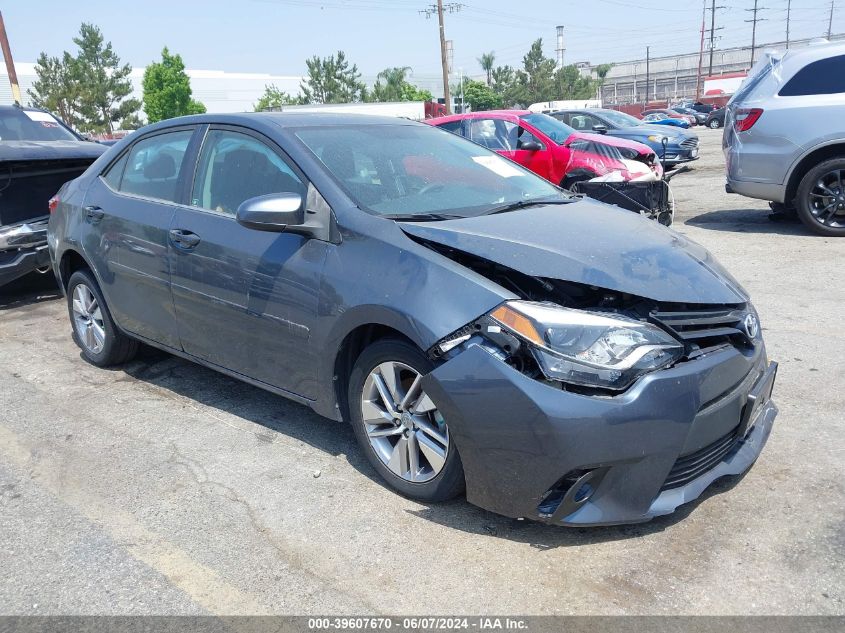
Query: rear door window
[
  {"x": 822, "y": 77},
  {"x": 153, "y": 166},
  {"x": 455, "y": 127}
]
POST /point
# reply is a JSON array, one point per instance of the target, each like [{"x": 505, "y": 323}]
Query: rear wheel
[
  {"x": 94, "y": 330},
  {"x": 398, "y": 425},
  {"x": 821, "y": 198},
  {"x": 714, "y": 124}
]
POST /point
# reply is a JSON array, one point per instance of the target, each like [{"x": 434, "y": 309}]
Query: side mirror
[
  {"x": 273, "y": 212},
  {"x": 600, "y": 129},
  {"x": 530, "y": 146}
]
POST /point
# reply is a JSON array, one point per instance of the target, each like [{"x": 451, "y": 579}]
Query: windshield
[
  {"x": 419, "y": 170},
  {"x": 621, "y": 119},
  {"x": 32, "y": 125},
  {"x": 555, "y": 129}
]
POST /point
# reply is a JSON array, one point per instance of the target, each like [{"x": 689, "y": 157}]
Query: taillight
[
  {"x": 745, "y": 118},
  {"x": 53, "y": 203}
]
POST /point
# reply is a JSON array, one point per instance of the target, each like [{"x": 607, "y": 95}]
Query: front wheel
[
  {"x": 821, "y": 198},
  {"x": 398, "y": 425},
  {"x": 714, "y": 124}
]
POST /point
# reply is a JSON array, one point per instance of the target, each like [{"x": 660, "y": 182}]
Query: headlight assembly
[
  {"x": 588, "y": 348},
  {"x": 658, "y": 138}
]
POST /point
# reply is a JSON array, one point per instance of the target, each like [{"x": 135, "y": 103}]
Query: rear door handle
[
  {"x": 184, "y": 239},
  {"x": 94, "y": 213}
]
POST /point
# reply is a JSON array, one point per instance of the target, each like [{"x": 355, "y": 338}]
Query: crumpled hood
[
  {"x": 591, "y": 243},
  {"x": 49, "y": 150}
]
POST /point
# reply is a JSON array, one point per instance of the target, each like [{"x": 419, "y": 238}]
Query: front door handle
[
  {"x": 94, "y": 213},
  {"x": 184, "y": 239}
]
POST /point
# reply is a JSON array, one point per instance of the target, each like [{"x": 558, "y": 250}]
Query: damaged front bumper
[
  {"x": 534, "y": 450},
  {"x": 23, "y": 249}
]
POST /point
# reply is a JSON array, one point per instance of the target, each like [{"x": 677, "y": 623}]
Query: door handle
[
  {"x": 94, "y": 213},
  {"x": 184, "y": 239}
]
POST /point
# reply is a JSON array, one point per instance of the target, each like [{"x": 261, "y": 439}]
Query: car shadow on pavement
[
  {"x": 269, "y": 412},
  {"x": 28, "y": 290},
  {"x": 747, "y": 221}
]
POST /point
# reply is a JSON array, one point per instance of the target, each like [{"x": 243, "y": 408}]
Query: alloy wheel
[
  {"x": 714, "y": 124},
  {"x": 88, "y": 319},
  {"x": 827, "y": 199},
  {"x": 403, "y": 426}
]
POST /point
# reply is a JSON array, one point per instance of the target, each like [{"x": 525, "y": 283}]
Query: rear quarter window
[{"x": 821, "y": 77}]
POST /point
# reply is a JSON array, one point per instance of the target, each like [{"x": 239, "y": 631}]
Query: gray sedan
[{"x": 480, "y": 328}]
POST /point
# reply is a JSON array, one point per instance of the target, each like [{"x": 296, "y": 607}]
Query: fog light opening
[{"x": 571, "y": 492}]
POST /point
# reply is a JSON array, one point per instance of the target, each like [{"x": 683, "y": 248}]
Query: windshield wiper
[
  {"x": 521, "y": 204},
  {"x": 421, "y": 217}
]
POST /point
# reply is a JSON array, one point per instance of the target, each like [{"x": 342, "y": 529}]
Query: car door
[
  {"x": 246, "y": 300},
  {"x": 128, "y": 210}
]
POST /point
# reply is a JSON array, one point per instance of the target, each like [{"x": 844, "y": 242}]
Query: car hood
[
  {"x": 49, "y": 150},
  {"x": 609, "y": 140},
  {"x": 591, "y": 243}
]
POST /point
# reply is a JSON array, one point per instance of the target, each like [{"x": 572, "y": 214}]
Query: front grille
[
  {"x": 689, "y": 143},
  {"x": 706, "y": 327},
  {"x": 688, "y": 467}
]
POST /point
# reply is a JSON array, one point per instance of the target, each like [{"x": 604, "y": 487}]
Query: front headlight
[
  {"x": 657, "y": 138},
  {"x": 588, "y": 348}
]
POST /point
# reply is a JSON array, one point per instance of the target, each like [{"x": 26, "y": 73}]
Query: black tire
[
  {"x": 449, "y": 482},
  {"x": 779, "y": 208},
  {"x": 803, "y": 199},
  {"x": 714, "y": 124},
  {"x": 117, "y": 348}
]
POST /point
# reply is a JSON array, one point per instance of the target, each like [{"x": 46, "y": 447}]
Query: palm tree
[
  {"x": 394, "y": 80},
  {"x": 486, "y": 61}
]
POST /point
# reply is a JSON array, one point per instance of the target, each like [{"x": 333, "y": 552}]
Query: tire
[
  {"x": 820, "y": 200},
  {"x": 389, "y": 442},
  {"x": 714, "y": 124},
  {"x": 94, "y": 331}
]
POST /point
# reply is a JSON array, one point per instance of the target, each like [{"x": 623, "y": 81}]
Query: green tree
[
  {"x": 392, "y": 85},
  {"x": 332, "y": 80},
  {"x": 57, "y": 87},
  {"x": 571, "y": 84},
  {"x": 506, "y": 84},
  {"x": 132, "y": 122},
  {"x": 537, "y": 77},
  {"x": 167, "y": 89},
  {"x": 104, "y": 83},
  {"x": 486, "y": 62},
  {"x": 479, "y": 96},
  {"x": 273, "y": 98}
]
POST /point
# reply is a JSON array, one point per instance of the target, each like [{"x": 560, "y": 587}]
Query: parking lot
[{"x": 163, "y": 487}]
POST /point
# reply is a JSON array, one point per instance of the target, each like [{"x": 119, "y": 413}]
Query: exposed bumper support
[{"x": 23, "y": 248}]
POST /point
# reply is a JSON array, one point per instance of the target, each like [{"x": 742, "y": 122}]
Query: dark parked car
[
  {"x": 562, "y": 359},
  {"x": 716, "y": 119},
  {"x": 38, "y": 154},
  {"x": 681, "y": 145},
  {"x": 699, "y": 117}
]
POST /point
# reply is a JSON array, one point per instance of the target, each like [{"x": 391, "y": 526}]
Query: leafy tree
[
  {"x": 506, "y": 84},
  {"x": 332, "y": 80},
  {"x": 570, "y": 84},
  {"x": 57, "y": 87},
  {"x": 486, "y": 62},
  {"x": 167, "y": 89},
  {"x": 479, "y": 96},
  {"x": 415, "y": 93},
  {"x": 392, "y": 85},
  {"x": 537, "y": 78},
  {"x": 103, "y": 82},
  {"x": 273, "y": 98},
  {"x": 132, "y": 122}
]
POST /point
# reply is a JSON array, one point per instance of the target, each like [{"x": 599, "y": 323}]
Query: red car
[
  {"x": 552, "y": 149},
  {"x": 672, "y": 115}
]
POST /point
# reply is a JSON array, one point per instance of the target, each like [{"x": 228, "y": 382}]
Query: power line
[
  {"x": 713, "y": 29},
  {"x": 754, "y": 21}
]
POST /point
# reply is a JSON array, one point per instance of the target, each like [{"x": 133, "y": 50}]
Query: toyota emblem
[{"x": 752, "y": 326}]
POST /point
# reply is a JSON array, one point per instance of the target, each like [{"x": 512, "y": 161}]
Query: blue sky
[{"x": 276, "y": 36}]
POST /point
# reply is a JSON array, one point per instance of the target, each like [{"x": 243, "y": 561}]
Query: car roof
[
  {"x": 484, "y": 114},
  {"x": 16, "y": 108},
  {"x": 284, "y": 119}
]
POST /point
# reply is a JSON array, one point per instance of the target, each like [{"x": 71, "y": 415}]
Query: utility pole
[
  {"x": 713, "y": 29},
  {"x": 788, "y": 13},
  {"x": 830, "y": 19},
  {"x": 10, "y": 64},
  {"x": 754, "y": 21},
  {"x": 700, "y": 51},
  {"x": 439, "y": 9},
  {"x": 647, "y": 88}
]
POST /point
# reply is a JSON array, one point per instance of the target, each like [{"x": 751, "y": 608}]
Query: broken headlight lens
[{"x": 588, "y": 348}]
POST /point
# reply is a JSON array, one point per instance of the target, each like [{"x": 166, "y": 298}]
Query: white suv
[{"x": 784, "y": 138}]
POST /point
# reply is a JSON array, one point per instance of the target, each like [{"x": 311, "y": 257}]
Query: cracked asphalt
[{"x": 164, "y": 488}]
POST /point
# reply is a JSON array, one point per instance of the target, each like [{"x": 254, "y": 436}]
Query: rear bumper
[
  {"x": 759, "y": 190},
  {"x": 23, "y": 248},
  {"x": 519, "y": 438}
]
